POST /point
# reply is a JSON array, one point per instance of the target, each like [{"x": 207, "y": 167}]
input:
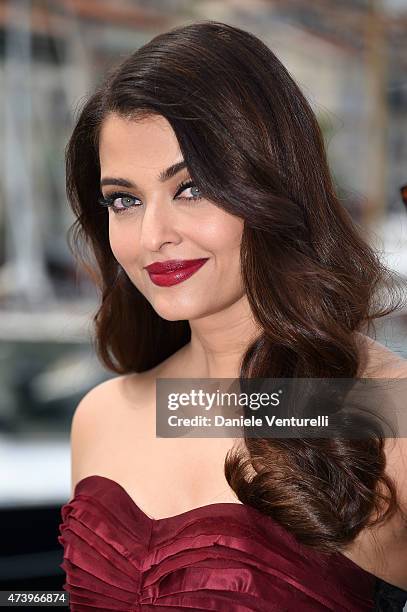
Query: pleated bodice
[{"x": 223, "y": 556}]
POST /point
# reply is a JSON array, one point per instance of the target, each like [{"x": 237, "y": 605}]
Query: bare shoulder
[
  {"x": 100, "y": 399},
  {"x": 96, "y": 413},
  {"x": 382, "y": 549},
  {"x": 384, "y": 363},
  {"x": 377, "y": 360}
]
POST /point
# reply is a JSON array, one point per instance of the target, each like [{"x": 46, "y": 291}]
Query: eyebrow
[{"x": 165, "y": 175}]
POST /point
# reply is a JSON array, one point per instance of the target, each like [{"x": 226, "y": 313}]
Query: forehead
[{"x": 147, "y": 143}]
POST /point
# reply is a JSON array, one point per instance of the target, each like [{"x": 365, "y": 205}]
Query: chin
[{"x": 179, "y": 312}]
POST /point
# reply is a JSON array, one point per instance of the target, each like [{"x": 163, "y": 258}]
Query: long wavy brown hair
[{"x": 254, "y": 147}]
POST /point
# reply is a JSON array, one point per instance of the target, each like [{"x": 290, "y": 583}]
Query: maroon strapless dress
[{"x": 223, "y": 556}]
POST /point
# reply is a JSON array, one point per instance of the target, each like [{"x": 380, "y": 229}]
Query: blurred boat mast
[{"x": 23, "y": 276}]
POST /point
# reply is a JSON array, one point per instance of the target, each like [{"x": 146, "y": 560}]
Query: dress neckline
[
  {"x": 206, "y": 510},
  {"x": 163, "y": 519}
]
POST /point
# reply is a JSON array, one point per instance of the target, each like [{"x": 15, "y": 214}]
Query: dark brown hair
[{"x": 253, "y": 146}]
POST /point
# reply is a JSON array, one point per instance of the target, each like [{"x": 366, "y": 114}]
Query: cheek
[
  {"x": 230, "y": 239},
  {"x": 223, "y": 240},
  {"x": 226, "y": 237},
  {"x": 122, "y": 242},
  {"x": 220, "y": 230}
]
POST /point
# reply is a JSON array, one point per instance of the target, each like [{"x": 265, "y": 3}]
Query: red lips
[
  {"x": 161, "y": 267},
  {"x": 173, "y": 271}
]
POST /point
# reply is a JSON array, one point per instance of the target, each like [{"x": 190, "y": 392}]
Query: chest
[{"x": 164, "y": 476}]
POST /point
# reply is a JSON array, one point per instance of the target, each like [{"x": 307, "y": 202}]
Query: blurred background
[{"x": 350, "y": 59}]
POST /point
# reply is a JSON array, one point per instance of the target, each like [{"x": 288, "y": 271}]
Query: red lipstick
[{"x": 173, "y": 271}]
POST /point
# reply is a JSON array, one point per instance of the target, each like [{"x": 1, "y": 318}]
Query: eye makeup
[{"x": 110, "y": 199}]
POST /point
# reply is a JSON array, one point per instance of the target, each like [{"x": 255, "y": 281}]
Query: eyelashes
[{"x": 109, "y": 200}]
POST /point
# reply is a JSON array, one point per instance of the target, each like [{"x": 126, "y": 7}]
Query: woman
[{"x": 200, "y": 146}]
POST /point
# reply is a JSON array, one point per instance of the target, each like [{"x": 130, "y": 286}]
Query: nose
[{"x": 158, "y": 225}]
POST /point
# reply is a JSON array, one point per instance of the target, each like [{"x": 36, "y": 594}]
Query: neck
[{"x": 219, "y": 341}]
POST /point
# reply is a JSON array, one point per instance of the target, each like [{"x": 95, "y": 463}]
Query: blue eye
[
  {"x": 126, "y": 200},
  {"x": 185, "y": 185}
]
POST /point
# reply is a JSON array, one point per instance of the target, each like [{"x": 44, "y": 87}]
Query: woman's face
[{"x": 166, "y": 222}]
